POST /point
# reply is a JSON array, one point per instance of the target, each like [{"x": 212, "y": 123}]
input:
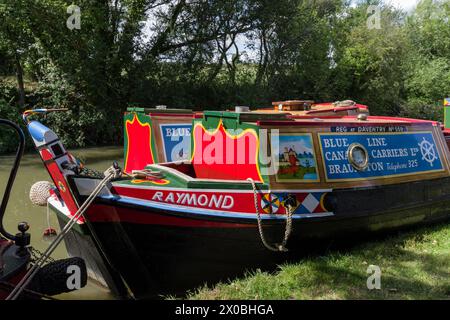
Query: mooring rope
[
  {"x": 111, "y": 173},
  {"x": 48, "y": 215},
  {"x": 281, "y": 247}
]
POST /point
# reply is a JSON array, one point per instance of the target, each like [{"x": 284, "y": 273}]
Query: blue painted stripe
[{"x": 207, "y": 212}]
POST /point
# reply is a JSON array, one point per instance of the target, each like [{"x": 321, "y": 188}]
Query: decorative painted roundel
[
  {"x": 270, "y": 203},
  {"x": 61, "y": 186}
]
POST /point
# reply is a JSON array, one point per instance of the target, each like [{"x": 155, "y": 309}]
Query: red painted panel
[
  {"x": 139, "y": 151},
  {"x": 224, "y": 155},
  {"x": 202, "y": 199},
  {"x": 59, "y": 180}
]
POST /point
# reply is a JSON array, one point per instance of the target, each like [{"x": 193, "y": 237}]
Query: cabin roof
[
  {"x": 347, "y": 120},
  {"x": 276, "y": 118}
]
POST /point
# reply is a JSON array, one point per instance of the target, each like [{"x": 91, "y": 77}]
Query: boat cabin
[
  {"x": 163, "y": 135},
  {"x": 285, "y": 147}
]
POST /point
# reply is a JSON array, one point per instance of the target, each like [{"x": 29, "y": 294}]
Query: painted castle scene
[{"x": 296, "y": 159}]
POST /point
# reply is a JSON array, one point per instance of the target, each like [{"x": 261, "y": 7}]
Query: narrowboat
[{"x": 206, "y": 196}]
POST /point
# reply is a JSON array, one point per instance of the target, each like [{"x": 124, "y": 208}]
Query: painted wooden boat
[{"x": 219, "y": 193}]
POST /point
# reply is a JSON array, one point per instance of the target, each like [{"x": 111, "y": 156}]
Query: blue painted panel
[
  {"x": 177, "y": 141},
  {"x": 390, "y": 154}
]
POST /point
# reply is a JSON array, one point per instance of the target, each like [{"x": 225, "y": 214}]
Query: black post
[{"x": 12, "y": 175}]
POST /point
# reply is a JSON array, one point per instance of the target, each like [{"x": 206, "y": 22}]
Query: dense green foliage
[{"x": 214, "y": 54}]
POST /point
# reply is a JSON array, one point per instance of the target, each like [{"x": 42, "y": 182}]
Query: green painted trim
[
  {"x": 225, "y": 185},
  {"x": 240, "y": 117},
  {"x": 203, "y": 184},
  {"x": 174, "y": 181},
  {"x": 162, "y": 111},
  {"x": 447, "y": 117},
  {"x": 136, "y": 109}
]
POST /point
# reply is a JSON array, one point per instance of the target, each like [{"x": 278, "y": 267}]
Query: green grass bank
[{"x": 414, "y": 265}]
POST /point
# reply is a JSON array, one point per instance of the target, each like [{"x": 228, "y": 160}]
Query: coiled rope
[
  {"x": 345, "y": 103},
  {"x": 148, "y": 174},
  {"x": 110, "y": 174},
  {"x": 288, "y": 230}
]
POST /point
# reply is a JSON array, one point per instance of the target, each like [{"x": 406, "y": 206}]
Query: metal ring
[{"x": 358, "y": 166}]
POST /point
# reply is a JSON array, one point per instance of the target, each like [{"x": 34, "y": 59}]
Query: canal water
[{"x": 20, "y": 207}]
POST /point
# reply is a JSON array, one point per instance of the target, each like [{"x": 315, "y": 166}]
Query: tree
[
  {"x": 15, "y": 39},
  {"x": 372, "y": 60},
  {"x": 216, "y": 53},
  {"x": 427, "y": 64}
]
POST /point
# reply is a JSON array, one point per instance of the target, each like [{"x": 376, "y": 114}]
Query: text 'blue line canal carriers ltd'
[{"x": 389, "y": 154}]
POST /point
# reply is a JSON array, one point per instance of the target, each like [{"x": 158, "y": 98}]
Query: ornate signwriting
[
  {"x": 389, "y": 154},
  {"x": 213, "y": 201},
  {"x": 309, "y": 202},
  {"x": 369, "y": 129}
]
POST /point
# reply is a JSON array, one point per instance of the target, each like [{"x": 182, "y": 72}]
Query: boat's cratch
[{"x": 206, "y": 196}]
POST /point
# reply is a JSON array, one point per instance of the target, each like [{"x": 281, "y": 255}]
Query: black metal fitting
[{"x": 22, "y": 239}]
